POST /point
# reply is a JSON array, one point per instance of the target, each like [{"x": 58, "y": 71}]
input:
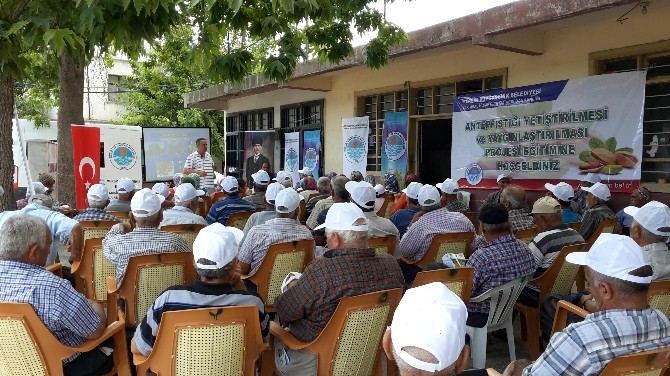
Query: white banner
[
  {"x": 122, "y": 155},
  {"x": 355, "y": 144},
  {"x": 292, "y": 155}
]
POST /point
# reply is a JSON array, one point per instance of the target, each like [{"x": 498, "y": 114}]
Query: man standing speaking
[
  {"x": 201, "y": 163},
  {"x": 255, "y": 162}
]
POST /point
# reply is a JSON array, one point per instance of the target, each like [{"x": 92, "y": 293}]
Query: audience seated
[
  {"x": 339, "y": 194},
  {"x": 450, "y": 196},
  {"x": 308, "y": 187},
  {"x": 392, "y": 186},
  {"x": 284, "y": 178},
  {"x": 513, "y": 198},
  {"x": 580, "y": 196},
  {"x": 639, "y": 197},
  {"x": 563, "y": 193},
  {"x": 233, "y": 203},
  {"x": 125, "y": 189},
  {"x": 363, "y": 195},
  {"x": 596, "y": 202},
  {"x": 163, "y": 190},
  {"x": 261, "y": 180},
  {"x": 97, "y": 199},
  {"x": 269, "y": 213},
  {"x": 37, "y": 187},
  {"x": 185, "y": 204},
  {"x": 402, "y": 218},
  {"x": 324, "y": 190},
  {"x": 503, "y": 181}
]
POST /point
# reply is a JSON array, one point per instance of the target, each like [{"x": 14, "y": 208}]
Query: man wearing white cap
[
  {"x": 268, "y": 213},
  {"x": 125, "y": 188},
  {"x": 185, "y": 204},
  {"x": 97, "y": 199},
  {"x": 650, "y": 230},
  {"x": 233, "y": 203},
  {"x": 349, "y": 268},
  {"x": 119, "y": 246},
  {"x": 363, "y": 195},
  {"x": 580, "y": 196},
  {"x": 261, "y": 181},
  {"x": 379, "y": 196},
  {"x": 403, "y": 217},
  {"x": 450, "y": 196},
  {"x": 284, "y": 178},
  {"x": 503, "y": 181},
  {"x": 218, "y": 285},
  {"x": 596, "y": 201},
  {"x": 619, "y": 277},
  {"x": 563, "y": 193},
  {"x": 38, "y": 188},
  {"x": 283, "y": 228}
]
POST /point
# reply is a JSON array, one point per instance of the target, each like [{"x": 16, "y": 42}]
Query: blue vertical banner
[
  {"x": 394, "y": 147},
  {"x": 311, "y": 151}
]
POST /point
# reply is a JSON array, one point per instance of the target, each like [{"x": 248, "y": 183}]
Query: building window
[
  {"x": 301, "y": 117},
  {"x": 236, "y": 125},
  {"x": 115, "y": 85}
]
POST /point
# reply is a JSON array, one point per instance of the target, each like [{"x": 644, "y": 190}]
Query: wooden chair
[
  {"x": 91, "y": 272},
  {"x": 526, "y": 235},
  {"x": 558, "y": 279},
  {"x": 201, "y": 210},
  {"x": 124, "y": 217},
  {"x": 659, "y": 296},
  {"x": 458, "y": 280},
  {"x": 351, "y": 341},
  {"x": 208, "y": 203},
  {"x": 472, "y": 216},
  {"x": 311, "y": 196},
  {"x": 606, "y": 226},
  {"x": 281, "y": 259},
  {"x": 146, "y": 277},
  {"x": 27, "y": 347},
  {"x": 238, "y": 219},
  {"x": 96, "y": 229},
  {"x": 188, "y": 232},
  {"x": 206, "y": 341},
  {"x": 383, "y": 211},
  {"x": 216, "y": 196},
  {"x": 454, "y": 242},
  {"x": 56, "y": 269},
  {"x": 302, "y": 212},
  {"x": 383, "y": 244},
  {"x": 575, "y": 225}
]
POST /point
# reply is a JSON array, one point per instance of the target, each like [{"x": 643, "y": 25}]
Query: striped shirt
[
  {"x": 205, "y": 163},
  {"x": 420, "y": 234},
  {"x": 93, "y": 214},
  {"x": 65, "y": 312},
  {"x": 222, "y": 209},
  {"x": 320, "y": 206},
  {"x": 546, "y": 245},
  {"x": 181, "y": 215},
  {"x": 196, "y": 295},
  {"x": 585, "y": 348},
  {"x": 261, "y": 237},
  {"x": 592, "y": 218}
]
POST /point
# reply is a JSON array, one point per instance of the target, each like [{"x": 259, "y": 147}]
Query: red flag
[{"x": 86, "y": 151}]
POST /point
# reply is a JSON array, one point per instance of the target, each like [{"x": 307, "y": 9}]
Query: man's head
[
  {"x": 449, "y": 190},
  {"x": 287, "y": 203},
  {"x": 339, "y": 191},
  {"x": 546, "y": 213},
  {"x": 271, "y": 193},
  {"x": 494, "y": 220},
  {"x": 187, "y": 196},
  {"x": 412, "y": 193},
  {"x": 145, "y": 208},
  {"x": 651, "y": 223},
  {"x": 47, "y": 180},
  {"x": 597, "y": 194},
  {"x": 562, "y": 192},
  {"x": 346, "y": 226},
  {"x": 513, "y": 197},
  {"x": 25, "y": 238},
  {"x": 427, "y": 334},
  {"x": 97, "y": 196},
  {"x": 215, "y": 252},
  {"x": 309, "y": 183},
  {"x": 230, "y": 186},
  {"x": 161, "y": 189},
  {"x": 617, "y": 272},
  {"x": 284, "y": 178},
  {"x": 379, "y": 190},
  {"x": 429, "y": 198},
  {"x": 257, "y": 144},
  {"x": 356, "y": 176},
  {"x": 261, "y": 180},
  {"x": 38, "y": 187},
  {"x": 125, "y": 188},
  {"x": 503, "y": 181},
  {"x": 201, "y": 146},
  {"x": 640, "y": 197},
  {"x": 362, "y": 194},
  {"x": 265, "y": 167},
  {"x": 590, "y": 179},
  {"x": 323, "y": 185}
]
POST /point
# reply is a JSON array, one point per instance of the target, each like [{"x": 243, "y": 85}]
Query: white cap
[
  {"x": 287, "y": 201},
  {"x": 38, "y": 187},
  {"x": 614, "y": 256},
  {"x": 653, "y": 216},
  {"x": 428, "y": 195},
  {"x": 342, "y": 216},
  {"x": 186, "y": 192},
  {"x": 380, "y": 189},
  {"x": 216, "y": 243},
  {"x": 412, "y": 190},
  {"x": 161, "y": 189},
  {"x": 449, "y": 187},
  {"x": 503, "y": 176},
  {"x": 591, "y": 177},
  {"x": 146, "y": 203},
  {"x": 306, "y": 171},
  {"x": 97, "y": 192},
  {"x": 282, "y": 176},
  {"x": 362, "y": 193},
  {"x": 261, "y": 177},
  {"x": 272, "y": 191},
  {"x": 599, "y": 190},
  {"x": 563, "y": 191},
  {"x": 229, "y": 184},
  {"x": 125, "y": 185},
  {"x": 430, "y": 317}
]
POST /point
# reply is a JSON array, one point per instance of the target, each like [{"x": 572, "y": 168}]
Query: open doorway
[{"x": 434, "y": 150}]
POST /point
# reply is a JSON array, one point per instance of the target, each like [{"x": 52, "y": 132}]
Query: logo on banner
[
  {"x": 122, "y": 156},
  {"x": 354, "y": 149},
  {"x": 311, "y": 158},
  {"x": 291, "y": 160},
  {"x": 394, "y": 146},
  {"x": 474, "y": 174}
]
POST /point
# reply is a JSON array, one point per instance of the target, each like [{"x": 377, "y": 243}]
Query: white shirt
[{"x": 180, "y": 215}]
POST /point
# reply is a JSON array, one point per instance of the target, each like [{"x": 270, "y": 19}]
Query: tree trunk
[
  {"x": 6, "y": 155},
  {"x": 70, "y": 111}
]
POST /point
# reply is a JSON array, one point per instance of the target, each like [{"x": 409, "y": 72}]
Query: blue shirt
[
  {"x": 402, "y": 218},
  {"x": 224, "y": 208},
  {"x": 569, "y": 216}
]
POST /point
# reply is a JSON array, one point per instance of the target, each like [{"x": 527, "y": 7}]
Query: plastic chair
[
  {"x": 453, "y": 242},
  {"x": 238, "y": 219},
  {"x": 526, "y": 235},
  {"x": 658, "y": 296},
  {"x": 606, "y": 226},
  {"x": 27, "y": 347},
  {"x": 383, "y": 244},
  {"x": 187, "y": 232},
  {"x": 91, "y": 272},
  {"x": 280, "y": 259},
  {"x": 458, "y": 280},
  {"x": 500, "y": 317},
  {"x": 351, "y": 341},
  {"x": 558, "y": 279},
  {"x": 206, "y": 341},
  {"x": 146, "y": 277},
  {"x": 201, "y": 209}
]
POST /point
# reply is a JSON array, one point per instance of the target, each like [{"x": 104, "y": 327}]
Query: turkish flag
[{"x": 86, "y": 151}]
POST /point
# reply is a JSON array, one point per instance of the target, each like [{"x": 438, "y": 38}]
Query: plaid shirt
[
  {"x": 419, "y": 235},
  {"x": 496, "y": 263},
  {"x": 92, "y": 214},
  {"x": 586, "y": 347},
  {"x": 592, "y": 219},
  {"x": 309, "y": 304},
  {"x": 64, "y": 311},
  {"x": 312, "y": 220},
  {"x": 456, "y": 206},
  {"x": 119, "y": 247},
  {"x": 520, "y": 220}
]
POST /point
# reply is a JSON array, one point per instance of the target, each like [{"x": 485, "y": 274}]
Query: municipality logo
[
  {"x": 291, "y": 160},
  {"x": 311, "y": 159},
  {"x": 122, "y": 156},
  {"x": 354, "y": 149},
  {"x": 474, "y": 174},
  {"x": 394, "y": 146}
]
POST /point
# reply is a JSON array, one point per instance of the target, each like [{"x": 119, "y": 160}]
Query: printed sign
[
  {"x": 394, "y": 147},
  {"x": 354, "y": 133}
]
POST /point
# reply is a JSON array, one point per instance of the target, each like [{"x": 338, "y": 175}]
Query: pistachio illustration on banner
[{"x": 605, "y": 158}]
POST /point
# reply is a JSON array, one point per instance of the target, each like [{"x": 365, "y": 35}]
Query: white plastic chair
[{"x": 500, "y": 317}]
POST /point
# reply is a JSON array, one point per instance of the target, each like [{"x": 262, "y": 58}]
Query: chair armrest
[
  {"x": 91, "y": 344},
  {"x": 480, "y": 298},
  {"x": 112, "y": 299},
  {"x": 74, "y": 268},
  {"x": 561, "y": 318},
  {"x": 407, "y": 260},
  {"x": 56, "y": 269},
  {"x": 286, "y": 337},
  {"x": 138, "y": 359},
  {"x": 111, "y": 285}
]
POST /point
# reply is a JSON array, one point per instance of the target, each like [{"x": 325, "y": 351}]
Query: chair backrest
[
  {"x": 526, "y": 235},
  {"x": 472, "y": 216},
  {"x": 458, "y": 280},
  {"x": 383, "y": 244},
  {"x": 659, "y": 296},
  {"x": 148, "y": 275},
  {"x": 238, "y": 219},
  {"x": 93, "y": 271},
  {"x": 216, "y": 196},
  {"x": 96, "y": 229},
  {"x": 648, "y": 363},
  {"x": 206, "y": 341},
  {"x": 351, "y": 341},
  {"x": 281, "y": 259},
  {"x": 502, "y": 301},
  {"x": 606, "y": 226},
  {"x": 311, "y": 196},
  {"x": 454, "y": 242},
  {"x": 201, "y": 209},
  {"x": 124, "y": 217},
  {"x": 561, "y": 275},
  {"x": 188, "y": 232},
  {"x": 302, "y": 212},
  {"x": 208, "y": 203},
  {"x": 388, "y": 202},
  {"x": 575, "y": 225}
]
